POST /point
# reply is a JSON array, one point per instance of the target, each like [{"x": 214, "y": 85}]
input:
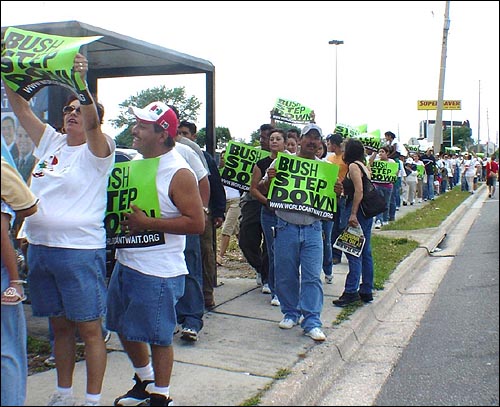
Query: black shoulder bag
[{"x": 373, "y": 202}]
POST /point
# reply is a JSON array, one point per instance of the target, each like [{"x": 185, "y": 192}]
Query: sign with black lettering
[
  {"x": 289, "y": 111},
  {"x": 346, "y": 131},
  {"x": 33, "y": 60},
  {"x": 370, "y": 142},
  {"x": 239, "y": 161},
  {"x": 351, "y": 241},
  {"x": 303, "y": 185},
  {"x": 132, "y": 182},
  {"x": 384, "y": 171}
]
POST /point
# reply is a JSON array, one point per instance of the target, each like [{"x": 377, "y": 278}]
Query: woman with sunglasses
[{"x": 67, "y": 242}]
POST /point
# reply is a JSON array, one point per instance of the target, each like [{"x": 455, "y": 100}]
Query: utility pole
[
  {"x": 438, "y": 127},
  {"x": 335, "y": 42},
  {"x": 479, "y": 115}
]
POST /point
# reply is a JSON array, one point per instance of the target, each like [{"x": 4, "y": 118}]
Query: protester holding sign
[
  {"x": 251, "y": 238},
  {"x": 147, "y": 282},
  {"x": 360, "y": 268},
  {"x": 66, "y": 253},
  {"x": 383, "y": 186},
  {"x": 336, "y": 142},
  {"x": 277, "y": 141},
  {"x": 298, "y": 252}
]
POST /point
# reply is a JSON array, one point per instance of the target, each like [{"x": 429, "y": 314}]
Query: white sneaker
[
  {"x": 58, "y": 399},
  {"x": 316, "y": 334},
  {"x": 189, "y": 334},
  {"x": 329, "y": 279},
  {"x": 275, "y": 301},
  {"x": 266, "y": 289},
  {"x": 258, "y": 279},
  {"x": 385, "y": 223},
  {"x": 287, "y": 323},
  {"x": 378, "y": 224}
]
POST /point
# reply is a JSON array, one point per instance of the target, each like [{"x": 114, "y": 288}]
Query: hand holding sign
[{"x": 135, "y": 221}]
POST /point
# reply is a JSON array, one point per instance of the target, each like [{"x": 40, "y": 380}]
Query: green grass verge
[{"x": 389, "y": 252}]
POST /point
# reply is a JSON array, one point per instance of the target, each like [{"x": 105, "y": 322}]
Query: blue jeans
[
  {"x": 339, "y": 225},
  {"x": 361, "y": 267},
  {"x": 14, "y": 354},
  {"x": 298, "y": 259},
  {"x": 67, "y": 282},
  {"x": 141, "y": 307},
  {"x": 327, "y": 226},
  {"x": 191, "y": 305},
  {"x": 386, "y": 192},
  {"x": 268, "y": 221},
  {"x": 429, "y": 187},
  {"x": 395, "y": 200}
]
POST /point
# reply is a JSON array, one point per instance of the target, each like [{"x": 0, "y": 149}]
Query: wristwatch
[{"x": 206, "y": 210}]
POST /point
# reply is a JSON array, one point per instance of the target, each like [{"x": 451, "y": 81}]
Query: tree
[
  {"x": 186, "y": 106},
  {"x": 222, "y": 137},
  {"x": 462, "y": 137}
]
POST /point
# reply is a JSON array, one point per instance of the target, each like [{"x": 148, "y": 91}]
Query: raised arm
[
  {"x": 21, "y": 108},
  {"x": 96, "y": 140}
]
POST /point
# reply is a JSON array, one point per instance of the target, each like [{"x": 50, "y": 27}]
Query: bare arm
[
  {"x": 356, "y": 177},
  {"x": 21, "y": 108},
  {"x": 96, "y": 140},
  {"x": 186, "y": 196},
  {"x": 255, "y": 189}
]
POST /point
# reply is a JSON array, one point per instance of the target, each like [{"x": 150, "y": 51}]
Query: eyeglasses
[{"x": 70, "y": 109}]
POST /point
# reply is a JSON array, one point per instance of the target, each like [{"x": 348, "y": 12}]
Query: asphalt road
[{"x": 452, "y": 358}]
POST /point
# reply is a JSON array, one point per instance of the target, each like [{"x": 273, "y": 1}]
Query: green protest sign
[
  {"x": 412, "y": 148},
  {"x": 346, "y": 131},
  {"x": 33, "y": 60},
  {"x": 303, "y": 185},
  {"x": 420, "y": 171},
  {"x": 239, "y": 161},
  {"x": 290, "y": 112},
  {"x": 132, "y": 182},
  {"x": 370, "y": 142},
  {"x": 384, "y": 171},
  {"x": 362, "y": 128}
]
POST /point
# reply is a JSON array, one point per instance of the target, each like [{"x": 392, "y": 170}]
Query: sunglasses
[{"x": 70, "y": 109}]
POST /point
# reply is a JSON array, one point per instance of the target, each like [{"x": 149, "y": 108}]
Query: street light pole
[{"x": 335, "y": 42}]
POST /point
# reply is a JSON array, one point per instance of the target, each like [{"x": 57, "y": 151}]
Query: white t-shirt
[
  {"x": 71, "y": 184},
  {"x": 166, "y": 260},
  {"x": 231, "y": 193},
  {"x": 192, "y": 159}
]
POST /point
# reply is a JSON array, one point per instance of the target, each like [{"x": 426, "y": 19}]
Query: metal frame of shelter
[{"x": 116, "y": 56}]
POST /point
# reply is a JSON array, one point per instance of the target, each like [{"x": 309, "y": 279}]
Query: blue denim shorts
[
  {"x": 141, "y": 307},
  {"x": 67, "y": 282}
]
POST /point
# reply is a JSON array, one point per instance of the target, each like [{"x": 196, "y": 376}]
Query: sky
[{"x": 263, "y": 50}]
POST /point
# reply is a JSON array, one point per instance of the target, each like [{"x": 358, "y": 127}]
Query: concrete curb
[{"x": 307, "y": 382}]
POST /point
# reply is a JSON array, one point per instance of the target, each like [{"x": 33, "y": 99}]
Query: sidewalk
[{"x": 241, "y": 348}]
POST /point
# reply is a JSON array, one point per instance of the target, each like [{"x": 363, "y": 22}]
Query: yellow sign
[{"x": 432, "y": 105}]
